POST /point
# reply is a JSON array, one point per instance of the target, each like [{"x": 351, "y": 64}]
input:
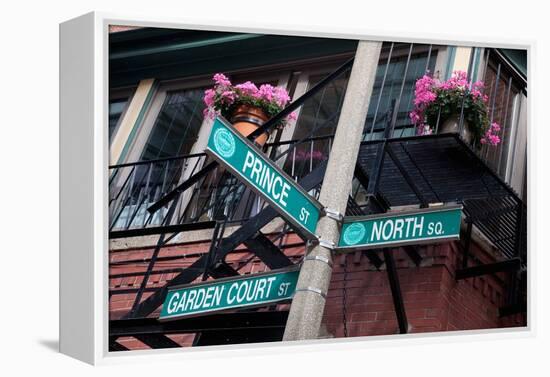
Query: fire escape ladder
[
  {"x": 270, "y": 254},
  {"x": 247, "y": 231},
  {"x": 213, "y": 263},
  {"x": 441, "y": 168},
  {"x": 376, "y": 204}
]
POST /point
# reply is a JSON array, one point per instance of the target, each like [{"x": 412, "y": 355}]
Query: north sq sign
[
  {"x": 396, "y": 229},
  {"x": 252, "y": 167},
  {"x": 230, "y": 293}
]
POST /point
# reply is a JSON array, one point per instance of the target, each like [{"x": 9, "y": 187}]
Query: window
[
  {"x": 319, "y": 116},
  {"x": 177, "y": 125},
  {"x": 389, "y": 89},
  {"x": 173, "y": 133},
  {"x": 504, "y": 90},
  {"x": 209, "y": 198},
  {"x": 116, "y": 109}
]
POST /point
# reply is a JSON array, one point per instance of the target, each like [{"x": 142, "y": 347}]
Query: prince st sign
[
  {"x": 384, "y": 230},
  {"x": 249, "y": 164}
]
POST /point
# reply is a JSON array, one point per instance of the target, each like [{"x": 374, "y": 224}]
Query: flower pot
[
  {"x": 246, "y": 119},
  {"x": 452, "y": 125}
]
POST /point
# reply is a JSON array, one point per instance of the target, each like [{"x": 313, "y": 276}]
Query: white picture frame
[{"x": 84, "y": 159}]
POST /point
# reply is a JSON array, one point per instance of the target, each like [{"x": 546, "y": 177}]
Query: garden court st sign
[
  {"x": 228, "y": 293},
  {"x": 251, "y": 166}
]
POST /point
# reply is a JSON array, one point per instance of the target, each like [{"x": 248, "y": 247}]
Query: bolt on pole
[{"x": 306, "y": 311}]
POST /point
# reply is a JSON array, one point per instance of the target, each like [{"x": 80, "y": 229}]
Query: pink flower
[
  {"x": 478, "y": 85},
  {"x": 494, "y": 139},
  {"x": 280, "y": 96},
  {"x": 247, "y": 89},
  {"x": 221, "y": 99},
  {"x": 476, "y": 93},
  {"x": 415, "y": 117},
  {"x": 491, "y": 136},
  {"x": 424, "y": 91},
  {"x": 458, "y": 80},
  {"x": 228, "y": 97},
  {"x": 221, "y": 80},
  {"x": 292, "y": 116},
  {"x": 209, "y": 95},
  {"x": 266, "y": 92}
]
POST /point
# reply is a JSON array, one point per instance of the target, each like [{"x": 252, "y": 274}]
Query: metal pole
[{"x": 306, "y": 311}]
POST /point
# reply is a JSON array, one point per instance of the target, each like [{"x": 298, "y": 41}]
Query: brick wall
[{"x": 433, "y": 299}]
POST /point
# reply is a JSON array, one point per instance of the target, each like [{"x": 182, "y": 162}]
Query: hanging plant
[
  {"x": 437, "y": 102},
  {"x": 224, "y": 98}
]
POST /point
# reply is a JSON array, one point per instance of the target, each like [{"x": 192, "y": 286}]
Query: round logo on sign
[
  {"x": 224, "y": 142},
  {"x": 354, "y": 233}
]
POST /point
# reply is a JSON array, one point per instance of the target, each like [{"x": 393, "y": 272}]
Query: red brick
[
  {"x": 423, "y": 322},
  {"x": 434, "y": 300}
]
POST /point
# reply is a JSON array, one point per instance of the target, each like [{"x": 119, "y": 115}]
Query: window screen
[{"x": 177, "y": 126}]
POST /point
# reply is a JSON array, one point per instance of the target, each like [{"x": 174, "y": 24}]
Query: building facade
[{"x": 157, "y": 137}]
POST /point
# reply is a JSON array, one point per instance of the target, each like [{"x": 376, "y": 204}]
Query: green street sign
[
  {"x": 250, "y": 165},
  {"x": 413, "y": 227},
  {"x": 229, "y": 293}
]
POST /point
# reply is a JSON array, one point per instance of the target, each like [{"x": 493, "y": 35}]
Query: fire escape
[{"x": 153, "y": 198}]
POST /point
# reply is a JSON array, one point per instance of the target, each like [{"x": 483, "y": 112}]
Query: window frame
[
  {"x": 116, "y": 95},
  {"x": 516, "y": 119}
]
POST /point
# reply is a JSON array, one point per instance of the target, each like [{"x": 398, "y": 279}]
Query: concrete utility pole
[{"x": 306, "y": 311}]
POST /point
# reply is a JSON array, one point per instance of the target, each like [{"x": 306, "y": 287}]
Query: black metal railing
[
  {"x": 192, "y": 189},
  {"x": 140, "y": 192},
  {"x": 134, "y": 187}
]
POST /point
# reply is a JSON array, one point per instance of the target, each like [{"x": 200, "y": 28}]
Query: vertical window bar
[
  {"x": 122, "y": 188},
  {"x": 466, "y": 90},
  {"x": 293, "y": 161},
  {"x": 398, "y": 103},
  {"x": 486, "y": 65},
  {"x": 311, "y": 156},
  {"x": 504, "y": 126},
  {"x": 141, "y": 196},
  {"x": 382, "y": 85},
  {"x": 124, "y": 202},
  {"x": 516, "y": 127},
  {"x": 437, "y": 121},
  {"x": 165, "y": 176},
  {"x": 495, "y": 152},
  {"x": 428, "y": 59},
  {"x": 493, "y": 100}
]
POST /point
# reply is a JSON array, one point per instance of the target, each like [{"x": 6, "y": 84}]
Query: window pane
[
  {"x": 381, "y": 104},
  {"x": 318, "y": 118},
  {"x": 320, "y": 114},
  {"x": 174, "y": 132},
  {"x": 177, "y": 126},
  {"x": 116, "y": 108},
  {"x": 502, "y": 106}
]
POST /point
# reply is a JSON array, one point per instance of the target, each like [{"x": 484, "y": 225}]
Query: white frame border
[{"x": 98, "y": 303}]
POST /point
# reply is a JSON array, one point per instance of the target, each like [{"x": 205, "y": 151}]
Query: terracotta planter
[
  {"x": 246, "y": 119},
  {"x": 452, "y": 125}
]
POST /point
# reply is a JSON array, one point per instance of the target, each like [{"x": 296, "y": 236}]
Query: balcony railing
[
  {"x": 134, "y": 187},
  {"x": 191, "y": 190}
]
